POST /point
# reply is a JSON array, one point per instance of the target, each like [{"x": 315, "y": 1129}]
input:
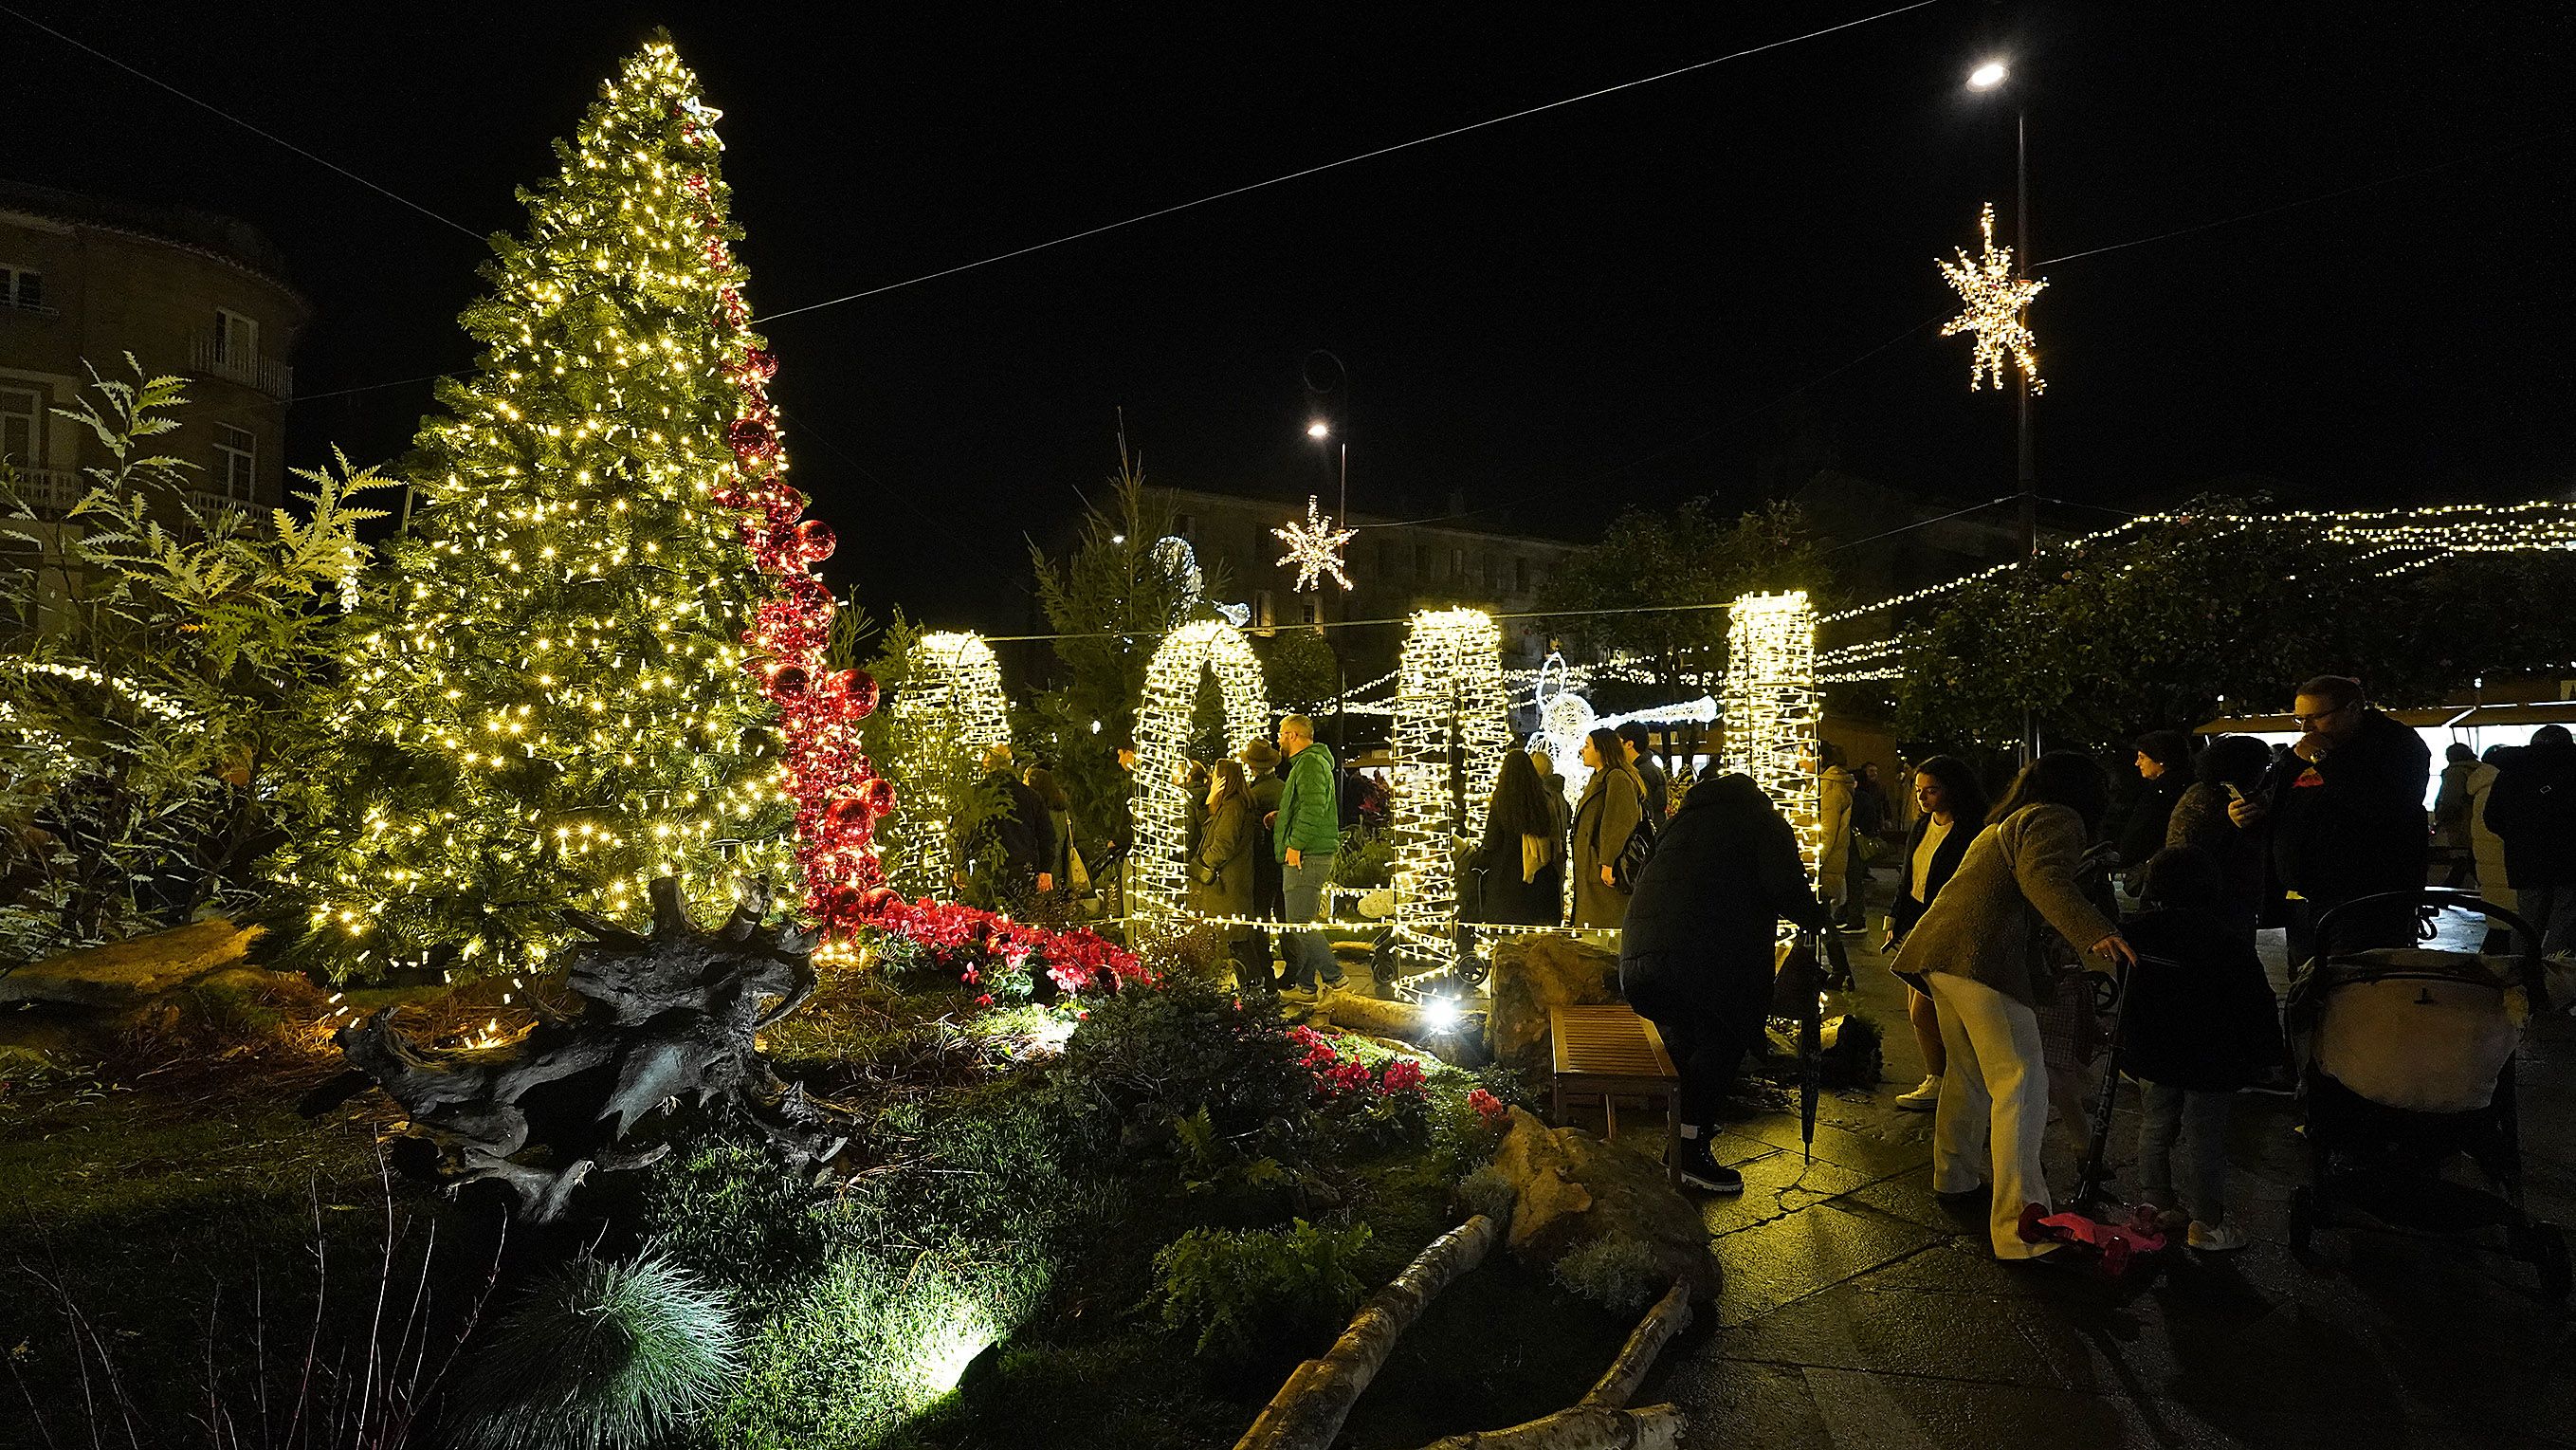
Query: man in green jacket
[{"x": 1305, "y": 832}]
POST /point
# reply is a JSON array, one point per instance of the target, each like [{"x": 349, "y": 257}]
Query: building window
[
  {"x": 1265, "y": 611},
  {"x": 1308, "y": 612},
  {"x": 1520, "y": 576},
  {"x": 22, "y": 289},
  {"x": 236, "y": 456},
  {"x": 1185, "y": 525},
  {"x": 22, "y": 427},
  {"x": 1458, "y": 566},
  {"x": 236, "y": 339},
  {"x": 1422, "y": 561}
]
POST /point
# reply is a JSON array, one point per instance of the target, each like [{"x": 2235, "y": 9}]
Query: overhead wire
[
  {"x": 1353, "y": 160},
  {"x": 255, "y": 130}
]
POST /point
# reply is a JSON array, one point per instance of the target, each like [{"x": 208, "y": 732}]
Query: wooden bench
[{"x": 1611, "y": 1052}]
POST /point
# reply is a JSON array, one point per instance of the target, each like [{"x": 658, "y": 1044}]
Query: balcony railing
[
  {"x": 52, "y": 489},
  {"x": 12, "y": 307},
  {"x": 209, "y": 357}
]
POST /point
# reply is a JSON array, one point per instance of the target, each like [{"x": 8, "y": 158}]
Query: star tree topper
[
  {"x": 1995, "y": 299},
  {"x": 1315, "y": 549}
]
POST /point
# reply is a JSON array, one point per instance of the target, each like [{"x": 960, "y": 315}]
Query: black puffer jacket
[
  {"x": 2353, "y": 823},
  {"x": 2200, "y": 1013},
  {"x": 2532, "y": 809},
  {"x": 1700, "y": 930}
]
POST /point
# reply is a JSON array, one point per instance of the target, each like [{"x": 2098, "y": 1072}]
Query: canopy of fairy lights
[
  {"x": 1161, "y": 802},
  {"x": 950, "y": 711},
  {"x": 1451, "y": 729}
]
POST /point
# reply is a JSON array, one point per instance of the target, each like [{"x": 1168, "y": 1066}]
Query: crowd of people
[
  {"x": 2000, "y": 912},
  {"x": 2000, "y": 908}
]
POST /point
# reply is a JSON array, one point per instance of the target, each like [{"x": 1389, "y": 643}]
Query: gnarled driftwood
[{"x": 671, "y": 1014}]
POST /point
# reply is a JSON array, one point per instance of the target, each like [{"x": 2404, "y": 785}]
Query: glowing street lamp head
[
  {"x": 1319, "y": 429},
  {"x": 1987, "y": 76}
]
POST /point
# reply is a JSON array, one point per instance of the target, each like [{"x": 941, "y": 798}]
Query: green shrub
[
  {"x": 1146, "y": 1060},
  {"x": 1365, "y": 860},
  {"x": 1240, "y": 1293},
  {"x": 1617, "y": 1273},
  {"x": 600, "y": 1356},
  {"x": 727, "y": 1209}
]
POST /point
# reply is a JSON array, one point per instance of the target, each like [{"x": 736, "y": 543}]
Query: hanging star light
[
  {"x": 1314, "y": 549},
  {"x": 1995, "y": 299}
]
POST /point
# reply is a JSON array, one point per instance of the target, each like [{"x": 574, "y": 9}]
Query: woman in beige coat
[
  {"x": 1980, "y": 950},
  {"x": 1613, "y": 802}
]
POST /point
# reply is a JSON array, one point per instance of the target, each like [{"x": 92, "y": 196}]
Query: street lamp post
[
  {"x": 1322, "y": 432},
  {"x": 1991, "y": 75}
]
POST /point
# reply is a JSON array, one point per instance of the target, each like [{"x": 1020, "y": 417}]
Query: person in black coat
[
  {"x": 1516, "y": 877},
  {"x": 1696, "y": 953},
  {"x": 1017, "y": 832},
  {"x": 2532, "y": 810},
  {"x": 1951, "y": 808},
  {"x": 2199, "y": 1023},
  {"x": 2164, "y": 772},
  {"x": 2346, "y": 803}
]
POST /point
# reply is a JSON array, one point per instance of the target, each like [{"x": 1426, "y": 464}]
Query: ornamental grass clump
[{"x": 600, "y": 1356}]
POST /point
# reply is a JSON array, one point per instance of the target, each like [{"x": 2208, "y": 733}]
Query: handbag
[{"x": 1633, "y": 855}]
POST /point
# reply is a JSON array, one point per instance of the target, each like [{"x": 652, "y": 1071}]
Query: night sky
[{"x": 1703, "y": 285}]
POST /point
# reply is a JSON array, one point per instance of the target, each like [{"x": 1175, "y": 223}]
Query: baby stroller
[{"x": 2407, "y": 1062}]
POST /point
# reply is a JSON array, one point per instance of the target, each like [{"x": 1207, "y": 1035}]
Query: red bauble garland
[{"x": 839, "y": 797}]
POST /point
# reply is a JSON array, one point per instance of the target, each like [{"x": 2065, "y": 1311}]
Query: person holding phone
[{"x": 2226, "y": 774}]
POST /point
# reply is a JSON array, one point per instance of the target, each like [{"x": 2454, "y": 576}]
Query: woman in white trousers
[{"x": 1980, "y": 950}]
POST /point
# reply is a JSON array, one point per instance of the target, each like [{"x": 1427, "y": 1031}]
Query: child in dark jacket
[{"x": 2199, "y": 1024}]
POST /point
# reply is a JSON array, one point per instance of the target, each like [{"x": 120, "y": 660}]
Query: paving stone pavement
[{"x": 1859, "y": 1311}]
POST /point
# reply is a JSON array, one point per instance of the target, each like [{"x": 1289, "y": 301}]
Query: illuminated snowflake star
[
  {"x": 1315, "y": 549},
  {"x": 1995, "y": 299}
]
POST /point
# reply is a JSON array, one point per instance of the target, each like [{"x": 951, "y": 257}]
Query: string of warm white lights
[
  {"x": 152, "y": 700},
  {"x": 1161, "y": 804},
  {"x": 1772, "y": 710},
  {"x": 1450, "y": 734},
  {"x": 950, "y": 711},
  {"x": 2535, "y": 526}
]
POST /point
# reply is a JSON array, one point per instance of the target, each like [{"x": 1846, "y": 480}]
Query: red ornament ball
[
  {"x": 877, "y": 898},
  {"x": 815, "y": 541},
  {"x": 788, "y": 681},
  {"x": 849, "y": 813},
  {"x": 880, "y": 794},
  {"x": 861, "y": 692},
  {"x": 760, "y": 363},
  {"x": 751, "y": 438}
]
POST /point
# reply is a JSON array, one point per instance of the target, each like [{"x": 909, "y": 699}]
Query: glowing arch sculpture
[
  {"x": 1161, "y": 805},
  {"x": 950, "y": 709},
  {"x": 1451, "y": 729},
  {"x": 1771, "y": 707}
]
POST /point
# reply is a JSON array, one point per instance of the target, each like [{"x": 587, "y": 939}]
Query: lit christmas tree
[{"x": 574, "y": 675}]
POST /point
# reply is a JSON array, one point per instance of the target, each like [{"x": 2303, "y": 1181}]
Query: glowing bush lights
[
  {"x": 1451, "y": 730},
  {"x": 1771, "y": 707},
  {"x": 1162, "y": 807},
  {"x": 951, "y": 707}
]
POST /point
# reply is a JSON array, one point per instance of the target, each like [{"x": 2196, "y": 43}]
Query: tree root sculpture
[{"x": 667, "y": 1016}]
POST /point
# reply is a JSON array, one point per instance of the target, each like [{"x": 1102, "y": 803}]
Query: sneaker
[
  {"x": 2215, "y": 1238},
  {"x": 1923, "y": 1099},
  {"x": 1302, "y": 996},
  {"x": 1701, "y": 1171}
]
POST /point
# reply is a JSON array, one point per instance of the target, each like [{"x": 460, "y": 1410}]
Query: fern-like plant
[
  {"x": 159, "y": 665},
  {"x": 600, "y": 1356},
  {"x": 1239, "y": 1292}
]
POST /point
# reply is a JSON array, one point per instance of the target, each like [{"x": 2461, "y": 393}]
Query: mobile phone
[{"x": 2235, "y": 792}]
